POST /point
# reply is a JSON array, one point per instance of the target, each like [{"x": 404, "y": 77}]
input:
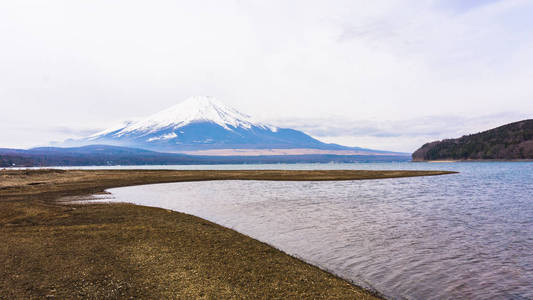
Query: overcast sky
[{"x": 381, "y": 74}]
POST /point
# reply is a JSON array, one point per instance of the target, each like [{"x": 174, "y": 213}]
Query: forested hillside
[{"x": 511, "y": 141}]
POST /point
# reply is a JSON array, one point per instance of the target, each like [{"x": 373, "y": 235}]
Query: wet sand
[{"x": 52, "y": 249}]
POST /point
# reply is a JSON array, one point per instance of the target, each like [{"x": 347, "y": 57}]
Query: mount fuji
[{"x": 205, "y": 126}]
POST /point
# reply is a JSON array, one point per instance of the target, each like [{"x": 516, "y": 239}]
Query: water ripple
[{"x": 467, "y": 235}]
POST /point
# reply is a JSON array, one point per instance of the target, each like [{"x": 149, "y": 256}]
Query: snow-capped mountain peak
[
  {"x": 205, "y": 124},
  {"x": 192, "y": 110}
]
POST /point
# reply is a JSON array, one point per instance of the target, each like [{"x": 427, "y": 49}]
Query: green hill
[{"x": 511, "y": 141}]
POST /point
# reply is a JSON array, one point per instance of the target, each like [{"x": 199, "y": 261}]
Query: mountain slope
[
  {"x": 511, "y": 141},
  {"x": 203, "y": 123}
]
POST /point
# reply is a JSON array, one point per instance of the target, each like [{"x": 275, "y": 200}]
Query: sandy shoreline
[{"x": 123, "y": 250}]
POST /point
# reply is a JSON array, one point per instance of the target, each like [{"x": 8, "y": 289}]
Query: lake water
[{"x": 467, "y": 235}]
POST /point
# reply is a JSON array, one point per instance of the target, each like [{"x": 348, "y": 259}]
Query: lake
[{"x": 466, "y": 235}]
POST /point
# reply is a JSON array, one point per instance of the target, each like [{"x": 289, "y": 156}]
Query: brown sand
[{"x": 54, "y": 250}]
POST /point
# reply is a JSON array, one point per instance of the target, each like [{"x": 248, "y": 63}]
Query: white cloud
[
  {"x": 405, "y": 135},
  {"x": 88, "y": 64}
]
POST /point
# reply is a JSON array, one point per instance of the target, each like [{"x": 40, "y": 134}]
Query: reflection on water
[{"x": 468, "y": 235}]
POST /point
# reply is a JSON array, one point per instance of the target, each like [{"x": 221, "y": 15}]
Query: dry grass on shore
[{"x": 121, "y": 250}]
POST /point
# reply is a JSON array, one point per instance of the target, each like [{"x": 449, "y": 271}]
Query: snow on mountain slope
[
  {"x": 192, "y": 110},
  {"x": 204, "y": 123}
]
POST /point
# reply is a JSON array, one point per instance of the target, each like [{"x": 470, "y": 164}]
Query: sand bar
[{"x": 52, "y": 249}]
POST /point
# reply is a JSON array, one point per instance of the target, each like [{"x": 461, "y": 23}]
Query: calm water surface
[{"x": 468, "y": 235}]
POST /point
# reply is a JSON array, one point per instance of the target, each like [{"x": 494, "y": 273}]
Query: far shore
[
  {"x": 473, "y": 160},
  {"x": 51, "y": 249}
]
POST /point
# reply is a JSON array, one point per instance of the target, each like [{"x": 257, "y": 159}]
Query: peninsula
[{"x": 58, "y": 249}]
